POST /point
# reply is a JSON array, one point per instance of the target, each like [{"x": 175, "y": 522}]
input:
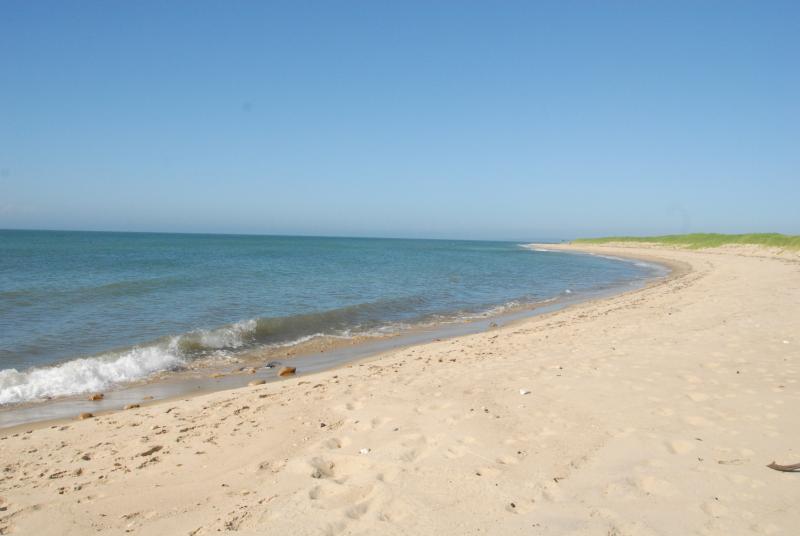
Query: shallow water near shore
[
  {"x": 83, "y": 312},
  {"x": 206, "y": 380}
]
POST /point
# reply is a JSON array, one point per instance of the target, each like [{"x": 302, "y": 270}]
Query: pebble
[
  {"x": 86, "y": 415},
  {"x": 131, "y": 406},
  {"x": 287, "y": 371},
  {"x": 256, "y": 382},
  {"x": 96, "y": 396},
  {"x": 524, "y": 392}
]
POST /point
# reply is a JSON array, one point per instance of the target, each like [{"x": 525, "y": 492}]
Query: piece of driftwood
[{"x": 785, "y": 468}]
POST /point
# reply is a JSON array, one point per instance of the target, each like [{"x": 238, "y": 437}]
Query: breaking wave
[
  {"x": 84, "y": 375},
  {"x": 100, "y": 372}
]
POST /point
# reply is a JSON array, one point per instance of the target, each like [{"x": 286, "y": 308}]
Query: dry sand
[{"x": 653, "y": 412}]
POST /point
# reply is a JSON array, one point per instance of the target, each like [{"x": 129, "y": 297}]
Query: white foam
[
  {"x": 300, "y": 340},
  {"x": 87, "y": 374},
  {"x": 534, "y": 248},
  {"x": 232, "y": 336}
]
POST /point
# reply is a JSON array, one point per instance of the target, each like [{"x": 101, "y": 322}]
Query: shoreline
[
  {"x": 309, "y": 359},
  {"x": 606, "y": 417}
]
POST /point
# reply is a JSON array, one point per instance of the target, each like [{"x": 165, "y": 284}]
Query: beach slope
[{"x": 651, "y": 412}]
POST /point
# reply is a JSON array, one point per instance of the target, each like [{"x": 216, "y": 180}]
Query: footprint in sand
[
  {"x": 654, "y": 486},
  {"x": 321, "y": 468},
  {"x": 351, "y": 406},
  {"x": 377, "y": 422},
  {"x": 355, "y": 512},
  {"x": 353, "y": 498},
  {"x": 416, "y": 446},
  {"x": 714, "y": 508},
  {"x": 456, "y": 451},
  {"x": 696, "y": 420},
  {"x": 410, "y": 455},
  {"x": 551, "y": 492},
  {"x": 389, "y": 475},
  {"x": 618, "y": 491},
  {"x": 335, "y": 443},
  {"x": 413, "y": 440},
  {"x": 335, "y": 528},
  {"x": 321, "y": 492},
  {"x": 273, "y": 466},
  {"x": 680, "y": 446}
]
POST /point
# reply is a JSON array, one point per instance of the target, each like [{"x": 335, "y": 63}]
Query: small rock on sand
[
  {"x": 131, "y": 406},
  {"x": 287, "y": 371},
  {"x": 524, "y": 392},
  {"x": 257, "y": 382},
  {"x": 85, "y": 415},
  {"x": 96, "y": 396}
]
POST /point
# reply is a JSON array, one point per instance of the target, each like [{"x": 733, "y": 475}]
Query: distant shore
[{"x": 649, "y": 412}]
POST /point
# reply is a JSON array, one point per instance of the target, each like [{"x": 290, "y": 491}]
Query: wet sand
[{"x": 651, "y": 412}]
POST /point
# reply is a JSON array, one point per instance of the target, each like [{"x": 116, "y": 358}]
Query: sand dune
[{"x": 653, "y": 412}]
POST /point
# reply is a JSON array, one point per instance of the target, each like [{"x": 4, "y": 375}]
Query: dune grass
[{"x": 705, "y": 240}]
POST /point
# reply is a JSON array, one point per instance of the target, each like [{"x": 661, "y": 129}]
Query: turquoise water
[{"x": 82, "y": 311}]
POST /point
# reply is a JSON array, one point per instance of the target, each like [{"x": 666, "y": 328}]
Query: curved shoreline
[
  {"x": 605, "y": 417},
  {"x": 309, "y": 359}
]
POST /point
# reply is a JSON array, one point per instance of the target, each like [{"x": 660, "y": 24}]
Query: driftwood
[{"x": 785, "y": 468}]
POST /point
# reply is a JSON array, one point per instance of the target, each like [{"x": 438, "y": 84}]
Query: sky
[{"x": 485, "y": 120}]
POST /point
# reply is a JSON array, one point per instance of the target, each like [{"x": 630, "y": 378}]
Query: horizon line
[{"x": 276, "y": 235}]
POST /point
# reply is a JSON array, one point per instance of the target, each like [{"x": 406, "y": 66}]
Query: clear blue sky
[{"x": 443, "y": 119}]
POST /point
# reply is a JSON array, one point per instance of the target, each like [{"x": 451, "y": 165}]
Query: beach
[
  {"x": 650, "y": 412},
  {"x": 135, "y": 307}
]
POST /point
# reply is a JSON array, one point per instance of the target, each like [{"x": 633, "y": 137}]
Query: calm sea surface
[{"x": 83, "y": 311}]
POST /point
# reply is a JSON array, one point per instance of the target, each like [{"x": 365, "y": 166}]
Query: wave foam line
[
  {"x": 85, "y": 374},
  {"x": 97, "y": 373}
]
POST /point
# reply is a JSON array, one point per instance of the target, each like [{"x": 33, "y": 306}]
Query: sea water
[{"x": 84, "y": 311}]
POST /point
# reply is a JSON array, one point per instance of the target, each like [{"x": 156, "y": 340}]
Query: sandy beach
[{"x": 651, "y": 412}]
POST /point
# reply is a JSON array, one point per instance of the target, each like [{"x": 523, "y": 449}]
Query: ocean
[{"x": 87, "y": 311}]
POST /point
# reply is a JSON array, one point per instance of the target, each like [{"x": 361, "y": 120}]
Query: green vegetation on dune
[{"x": 705, "y": 240}]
